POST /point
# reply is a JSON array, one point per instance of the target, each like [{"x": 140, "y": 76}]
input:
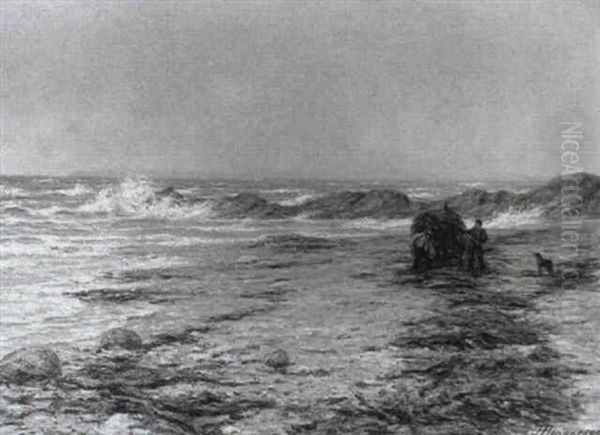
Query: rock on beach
[
  {"x": 120, "y": 337},
  {"x": 31, "y": 364}
]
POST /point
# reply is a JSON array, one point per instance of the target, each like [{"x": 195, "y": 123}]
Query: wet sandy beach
[{"x": 373, "y": 346}]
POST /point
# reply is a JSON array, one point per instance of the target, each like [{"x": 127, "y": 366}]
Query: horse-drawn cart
[{"x": 438, "y": 237}]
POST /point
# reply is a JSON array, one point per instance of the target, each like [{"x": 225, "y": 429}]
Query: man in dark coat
[{"x": 479, "y": 235}]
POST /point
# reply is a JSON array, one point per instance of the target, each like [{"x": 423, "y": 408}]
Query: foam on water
[
  {"x": 472, "y": 184},
  {"x": 516, "y": 218},
  {"x": 137, "y": 198},
  {"x": 283, "y": 191},
  {"x": 423, "y": 193},
  {"x": 77, "y": 190},
  {"x": 9, "y": 192},
  {"x": 299, "y": 200},
  {"x": 378, "y": 224}
]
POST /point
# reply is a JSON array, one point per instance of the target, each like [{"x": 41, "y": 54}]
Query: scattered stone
[
  {"x": 120, "y": 337},
  {"x": 32, "y": 364},
  {"x": 278, "y": 359}
]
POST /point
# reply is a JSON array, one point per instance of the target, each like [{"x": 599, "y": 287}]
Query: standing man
[{"x": 479, "y": 234}]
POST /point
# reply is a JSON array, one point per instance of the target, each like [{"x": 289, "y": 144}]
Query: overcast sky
[{"x": 338, "y": 89}]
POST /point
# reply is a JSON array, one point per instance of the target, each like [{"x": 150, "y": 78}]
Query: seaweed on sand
[
  {"x": 492, "y": 388},
  {"x": 482, "y": 365},
  {"x": 479, "y": 365},
  {"x": 468, "y": 328}
]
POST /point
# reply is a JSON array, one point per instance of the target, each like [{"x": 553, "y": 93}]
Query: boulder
[
  {"x": 120, "y": 337},
  {"x": 31, "y": 364},
  {"x": 278, "y": 359}
]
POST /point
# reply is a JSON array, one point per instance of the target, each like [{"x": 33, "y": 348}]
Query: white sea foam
[
  {"x": 472, "y": 184},
  {"x": 121, "y": 423},
  {"x": 189, "y": 190},
  {"x": 283, "y": 190},
  {"x": 515, "y": 218},
  {"x": 77, "y": 190},
  {"x": 51, "y": 245},
  {"x": 137, "y": 198},
  {"x": 378, "y": 224},
  {"x": 244, "y": 226},
  {"x": 8, "y": 192},
  {"x": 48, "y": 211},
  {"x": 422, "y": 193},
  {"x": 299, "y": 200}
]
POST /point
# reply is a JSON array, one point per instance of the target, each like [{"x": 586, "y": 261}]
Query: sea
[
  {"x": 65, "y": 239},
  {"x": 65, "y": 235}
]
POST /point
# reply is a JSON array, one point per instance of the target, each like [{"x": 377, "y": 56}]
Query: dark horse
[{"x": 423, "y": 250}]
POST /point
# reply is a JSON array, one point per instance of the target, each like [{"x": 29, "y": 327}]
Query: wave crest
[
  {"x": 137, "y": 197},
  {"x": 378, "y": 224},
  {"x": 77, "y": 190},
  {"x": 10, "y": 192},
  {"x": 298, "y": 200},
  {"x": 515, "y": 218}
]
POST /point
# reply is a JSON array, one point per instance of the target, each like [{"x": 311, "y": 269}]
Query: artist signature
[{"x": 552, "y": 430}]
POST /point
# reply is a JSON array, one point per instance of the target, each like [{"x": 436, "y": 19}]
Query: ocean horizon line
[{"x": 188, "y": 177}]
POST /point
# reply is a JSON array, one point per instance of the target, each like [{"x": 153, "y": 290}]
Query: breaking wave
[
  {"x": 472, "y": 184},
  {"x": 10, "y": 192},
  {"x": 139, "y": 198},
  {"x": 281, "y": 191},
  {"x": 422, "y": 193},
  {"x": 77, "y": 190},
  {"x": 378, "y": 224},
  {"x": 370, "y": 209},
  {"x": 14, "y": 192},
  {"x": 515, "y": 218}
]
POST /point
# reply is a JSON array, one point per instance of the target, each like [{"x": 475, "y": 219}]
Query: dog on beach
[{"x": 544, "y": 263}]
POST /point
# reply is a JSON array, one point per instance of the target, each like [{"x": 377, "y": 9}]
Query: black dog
[{"x": 544, "y": 263}]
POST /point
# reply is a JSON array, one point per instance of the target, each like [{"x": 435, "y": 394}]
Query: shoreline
[{"x": 354, "y": 344}]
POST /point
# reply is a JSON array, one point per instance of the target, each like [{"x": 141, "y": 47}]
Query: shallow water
[{"x": 82, "y": 255}]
